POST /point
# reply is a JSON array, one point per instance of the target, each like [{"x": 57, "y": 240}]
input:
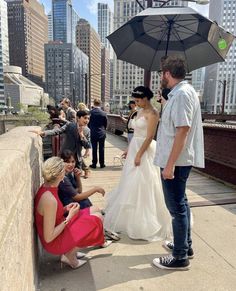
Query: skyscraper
[
  {"x": 64, "y": 21},
  {"x": 50, "y": 26},
  {"x": 28, "y": 32},
  {"x": 127, "y": 76},
  {"x": 4, "y": 50},
  {"x": 88, "y": 41},
  {"x": 220, "y": 78},
  {"x": 74, "y": 21},
  {"x": 105, "y": 77},
  {"x": 105, "y": 24},
  {"x": 65, "y": 66}
]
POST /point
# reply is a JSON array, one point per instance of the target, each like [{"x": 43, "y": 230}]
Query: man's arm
[
  {"x": 54, "y": 131},
  {"x": 178, "y": 145},
  {"x": 85, "y": 138},
  {"x": 105, "y": 121}
]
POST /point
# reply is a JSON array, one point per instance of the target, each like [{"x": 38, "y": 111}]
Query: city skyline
[{"x": 87, "y": 9}]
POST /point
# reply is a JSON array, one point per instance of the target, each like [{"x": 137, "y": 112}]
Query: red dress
[{"x": 83, "y": 229}]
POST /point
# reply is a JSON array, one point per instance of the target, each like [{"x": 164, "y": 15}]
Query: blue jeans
[{"x": 177, "y": 204}]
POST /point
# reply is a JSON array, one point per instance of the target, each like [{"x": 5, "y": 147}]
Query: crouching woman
[{"x": 63, "y": 230}]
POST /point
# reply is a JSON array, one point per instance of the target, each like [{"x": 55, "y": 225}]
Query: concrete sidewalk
[{"x": 126, "y": 265}]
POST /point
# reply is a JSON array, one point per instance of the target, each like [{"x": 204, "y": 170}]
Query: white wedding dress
[{"x": 137, "y": 207}]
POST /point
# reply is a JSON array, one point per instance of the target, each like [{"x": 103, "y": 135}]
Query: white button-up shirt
[{"x": 181, "y": 109}]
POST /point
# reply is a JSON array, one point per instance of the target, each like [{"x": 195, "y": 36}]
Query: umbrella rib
[
  {"x": 181, "y": 42},
  {"x": 162, "y": 37}
]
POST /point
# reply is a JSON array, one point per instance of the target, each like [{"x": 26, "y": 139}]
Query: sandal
[{"x": 65, "y": 260}]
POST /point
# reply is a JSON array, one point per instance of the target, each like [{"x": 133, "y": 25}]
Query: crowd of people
[{"x": 149, "y": 202}]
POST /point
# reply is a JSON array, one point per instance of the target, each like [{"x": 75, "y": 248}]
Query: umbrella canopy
[{"x": 181, "y": 31}]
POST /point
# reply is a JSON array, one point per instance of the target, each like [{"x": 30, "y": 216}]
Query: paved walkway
[{"x": 126, "y": 265}]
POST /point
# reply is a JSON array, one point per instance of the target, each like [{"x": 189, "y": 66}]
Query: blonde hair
[
  {"x": 82, "y": 106},
  {"x": 52, "y": 168}
]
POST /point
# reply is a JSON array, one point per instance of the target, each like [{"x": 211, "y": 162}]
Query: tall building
[
  {"x": 75, "y": 19},
  {"x": 198, "y": 77},
  {"x": 50, "y": 26},
  {"x": 88, "y": 41},
  {"x": 127, "y": 76},
  {"x": 4, "y": 50},
  {"x": 105, "y": 25},
  {"x": 28, "y": 32},
  {"x": 220, "y": 78},
  {"x": 65, "y": 66},
  {"x": 64, "y": 21},
  {"x": 105, "y": 78}
]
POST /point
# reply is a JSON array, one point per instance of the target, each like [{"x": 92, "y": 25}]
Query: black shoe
[
  {"x": 168, "y": 245},
  {"x": 93, "y": 166},
  {"x": 102, "y": 166},
  {"x": 170, "y": 263}
]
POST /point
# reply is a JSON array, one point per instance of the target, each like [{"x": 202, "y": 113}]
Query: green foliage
[
  {"x": 21, "y": 107},
  {"x": 38, "y": 114}
]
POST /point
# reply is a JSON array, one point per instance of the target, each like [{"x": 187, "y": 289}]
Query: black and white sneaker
[
  {"x": 168, "y": 245},
  {"x": 112, "y": 235},
  {"x": 170, "y": 263}
]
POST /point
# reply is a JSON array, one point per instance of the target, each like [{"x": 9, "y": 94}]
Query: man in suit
[{"x": 98, "y": 125}]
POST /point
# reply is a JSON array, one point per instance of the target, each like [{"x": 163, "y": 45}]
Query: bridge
[{"x": 125, "y": 265}]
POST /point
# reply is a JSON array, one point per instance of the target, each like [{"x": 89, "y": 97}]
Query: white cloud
[{"x": 93, "y": 4}]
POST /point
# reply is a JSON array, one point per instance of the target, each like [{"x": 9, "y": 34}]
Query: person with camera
[{"x": 132, "y": 114}]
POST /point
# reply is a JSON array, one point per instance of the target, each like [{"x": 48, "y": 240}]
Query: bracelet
[{"x": 65, "y": 221}]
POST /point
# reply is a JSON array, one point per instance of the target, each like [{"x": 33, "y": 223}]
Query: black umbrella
[{"x": 181, "y": 31}]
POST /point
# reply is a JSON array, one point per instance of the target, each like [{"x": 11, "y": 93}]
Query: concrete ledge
[{"x": 20, "y": 177}]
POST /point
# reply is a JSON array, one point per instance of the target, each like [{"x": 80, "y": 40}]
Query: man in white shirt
[{"x": 179, "y": 147}]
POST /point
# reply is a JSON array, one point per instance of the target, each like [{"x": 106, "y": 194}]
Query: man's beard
[{"x": 164, "y": 83}]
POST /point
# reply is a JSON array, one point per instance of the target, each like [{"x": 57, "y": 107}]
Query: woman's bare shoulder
[
  {"x": 48, "y": 198},
  {"x": 153, "y": 112}
]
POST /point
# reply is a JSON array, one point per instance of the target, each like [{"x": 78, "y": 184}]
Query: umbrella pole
[
  {"x": 147, "y": 74},
  {"x": 147, "y": 78},
  {"x": 170, "y": 22}
]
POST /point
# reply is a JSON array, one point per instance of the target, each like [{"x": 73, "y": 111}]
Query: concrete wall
[{"x": 20, "y": 159}]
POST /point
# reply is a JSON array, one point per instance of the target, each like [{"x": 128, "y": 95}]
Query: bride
[{"x": 137, "y": 207}]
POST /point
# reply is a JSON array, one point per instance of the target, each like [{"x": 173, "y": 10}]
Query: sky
[{"x": 88, "y": 8}]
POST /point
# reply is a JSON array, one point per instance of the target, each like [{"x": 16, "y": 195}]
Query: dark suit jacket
[
  {"x": 98, "y": 123},
  {"x": 72, "y": 140}
]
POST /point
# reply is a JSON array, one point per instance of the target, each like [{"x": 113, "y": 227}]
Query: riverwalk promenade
[{"x": 126, "y": 265}]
